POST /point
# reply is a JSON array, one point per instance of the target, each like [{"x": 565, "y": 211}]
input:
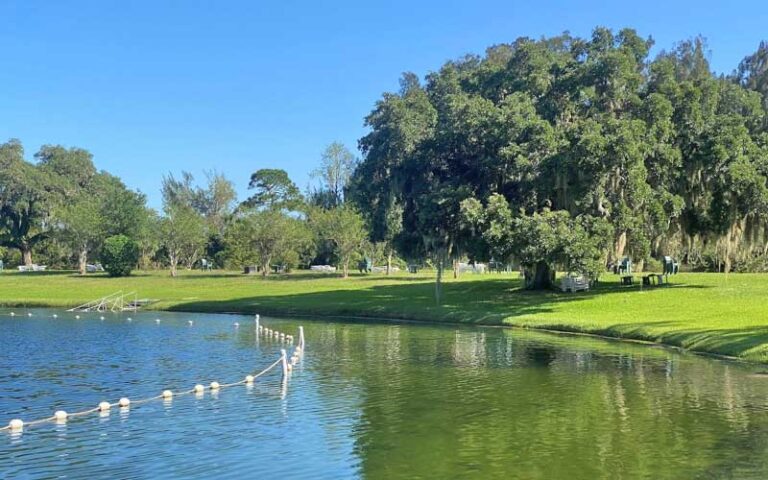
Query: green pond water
[{"x": 379, "y": 401}]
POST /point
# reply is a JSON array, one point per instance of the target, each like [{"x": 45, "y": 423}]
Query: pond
[{"x": 380, "y": 401}]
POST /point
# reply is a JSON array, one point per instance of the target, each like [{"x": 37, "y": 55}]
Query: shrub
[{"x": 119, "y": 255}]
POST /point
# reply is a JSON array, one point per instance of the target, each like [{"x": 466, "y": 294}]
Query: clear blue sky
[{"x": 156, "y": 86}]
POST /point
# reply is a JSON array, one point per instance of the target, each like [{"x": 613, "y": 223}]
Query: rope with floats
[{"x": 61, "y": 417}]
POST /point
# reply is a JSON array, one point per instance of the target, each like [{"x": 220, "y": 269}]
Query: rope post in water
[
  {"x": 284, "y": 362},
  {"x": 256, "y": 320},
  {"x": 301, "y": 337}
]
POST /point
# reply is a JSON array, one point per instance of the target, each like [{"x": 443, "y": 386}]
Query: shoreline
[
  {"x": 414, "y": 321},
  {"x": 705, "y": 314}
]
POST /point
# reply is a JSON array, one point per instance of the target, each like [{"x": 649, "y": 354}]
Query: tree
[
  {"x": 149, "y": 237},
  {"x": 273, "y": 190},
  {"x": 100, "y": 207},
  {"x": 336, "y": 166},
  {"x": 119, "y": 256},
  {"x": 669, "y": 156},
  {"x": 25, "y": 203},
  {"x": 267, "y": 236},
  {"x": 216, "y": 201},
  {"x": 542, "y": 241},
  {"x": 183, "y": 235},
  {"x": 84, "y": 226},
  {"x": 213, "y": 203},
  {"x": 344, "y": 228}
]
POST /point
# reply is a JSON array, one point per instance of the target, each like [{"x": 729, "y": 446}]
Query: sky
[{"x": 157, "y": 87}]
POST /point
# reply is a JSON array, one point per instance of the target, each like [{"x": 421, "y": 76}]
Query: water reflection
[
  {"x": 374, "y": 401},
  {"x": 445, "y": 403}
]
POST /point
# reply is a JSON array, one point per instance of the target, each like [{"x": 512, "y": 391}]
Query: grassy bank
[{"x": 702, "y": 312}]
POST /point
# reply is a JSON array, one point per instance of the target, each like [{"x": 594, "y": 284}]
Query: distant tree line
[{"x": 60, "y": 211}]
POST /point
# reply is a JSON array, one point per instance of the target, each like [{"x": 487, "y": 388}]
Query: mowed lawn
[{"x": 704, "y": 312}]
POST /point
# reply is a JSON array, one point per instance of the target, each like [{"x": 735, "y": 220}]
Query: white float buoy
[
  {"x": 55, "y": 316},
  {"x": 199, "y": 388},
  {"x": 101, "y": 318},
  {"x": 104, "y": 406},
  {"x": 29, "y": 314},
  {"x": 60, "y": 416},
  {"x": 237, "y": 325},
  {"x": 190, "y": 322},
  {"x": 130, "y": 320},
  {"x": 16, "y": 425},
  {"x": 77, "y": 317},
  {"x": 167, "y": 394},
  {"x": 249, "y": 379},
  {"x": 215, "y": 385},
  {"x": 13, "y": 314},
  {"x": 124, "y": 402},
  {"x": 157, "y": 320}
]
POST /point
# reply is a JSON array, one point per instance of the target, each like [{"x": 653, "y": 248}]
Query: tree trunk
[
  {"x": 620, "y": 245},
  {"x": 345, "y": 269},
  {"x": 389, "y": 261},
  {"x": 173, "y": 261},
  {"x": 26, "y": 255},
  {"x": 82, "y": 261},
  {"x": 455, "y": 268},
  {"x": 543, "y": 277},
  {"x": 265, "y": 267},
  {"x": 439, "y": 280}
]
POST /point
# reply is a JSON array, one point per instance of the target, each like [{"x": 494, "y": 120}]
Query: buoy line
[{"x": 60, "y": 416}]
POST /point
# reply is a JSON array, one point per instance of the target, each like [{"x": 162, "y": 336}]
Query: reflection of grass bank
[{"x": 702, "y": 312}]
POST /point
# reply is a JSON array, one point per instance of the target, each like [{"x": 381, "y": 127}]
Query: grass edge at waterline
[{"x": 702, "y": 312}]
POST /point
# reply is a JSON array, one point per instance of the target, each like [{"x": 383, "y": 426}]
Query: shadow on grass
[
  {"x": 491, "y": 302},
  {"x": 486, "y": 302},
  {"x": 44, "y": 273}
]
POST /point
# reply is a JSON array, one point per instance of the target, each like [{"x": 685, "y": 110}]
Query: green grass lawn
[{"x": 699, "y": 311}]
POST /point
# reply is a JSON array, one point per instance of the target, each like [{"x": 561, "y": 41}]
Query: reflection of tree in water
[
  {"x": 442, "y": 403},
  {"x": 540, "y": 356}
]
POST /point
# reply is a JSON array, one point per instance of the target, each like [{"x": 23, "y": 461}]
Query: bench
[{"x": 627, "y": 279}]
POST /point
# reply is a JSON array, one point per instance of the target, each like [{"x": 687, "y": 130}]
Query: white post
[
  {"x": 257, "y": 323},
  {"x": 284, "y": 362},
  {"x": 301, "y": 338}
]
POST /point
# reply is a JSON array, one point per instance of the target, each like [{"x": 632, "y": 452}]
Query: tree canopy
[{"x": 661, "y": 154}]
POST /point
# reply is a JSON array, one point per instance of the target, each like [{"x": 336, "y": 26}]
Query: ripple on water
[{"x": 374, "y": 401}]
